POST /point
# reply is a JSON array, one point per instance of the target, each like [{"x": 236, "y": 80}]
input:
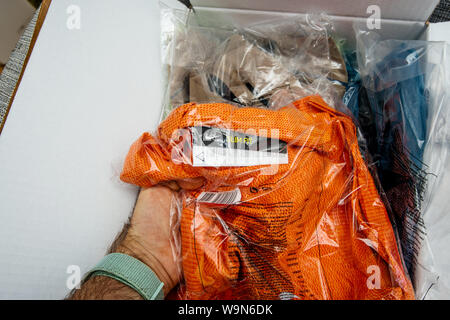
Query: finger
[
  {"x": 172, "y": 185},
  {"x": 192, "y": 183}
]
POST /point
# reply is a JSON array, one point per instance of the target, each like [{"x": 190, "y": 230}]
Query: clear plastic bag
[
  {"x": 287, "y": 208},
  {"x": 436, "y": 204},
  {"x": 267, "y": 65},
  {"x": 401, "y": 114}
]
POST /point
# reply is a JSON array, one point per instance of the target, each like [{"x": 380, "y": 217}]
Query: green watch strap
[{"x": 132, "y": 272}]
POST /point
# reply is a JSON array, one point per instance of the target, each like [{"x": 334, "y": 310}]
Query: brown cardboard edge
[{"x": 40, "y": 20}]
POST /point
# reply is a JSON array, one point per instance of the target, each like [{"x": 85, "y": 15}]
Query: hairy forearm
[{"x": 104, "y": 288}]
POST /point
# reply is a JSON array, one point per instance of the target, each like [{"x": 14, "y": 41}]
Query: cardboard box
[{"x": 90, "y": 88}]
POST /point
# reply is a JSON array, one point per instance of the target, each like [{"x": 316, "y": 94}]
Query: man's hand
[{"x": 149, "y": 235}]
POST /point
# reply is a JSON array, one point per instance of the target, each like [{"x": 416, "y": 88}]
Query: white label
[
  {"x": 224, "y": 157},
  {"x": 215, "y": 147},
  {"x": 225, "y": 197}
]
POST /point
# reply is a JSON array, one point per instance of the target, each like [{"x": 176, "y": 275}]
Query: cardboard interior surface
[
  {"x": 412, "y": 10},
  {"x": 343, "y": 25},
  {"x": 85, "y": 96}
]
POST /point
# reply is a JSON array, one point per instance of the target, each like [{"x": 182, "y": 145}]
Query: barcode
[{"x": 226, "y": 197}]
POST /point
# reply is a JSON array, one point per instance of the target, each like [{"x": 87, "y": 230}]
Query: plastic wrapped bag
[
  {"x": 287, "y": 210},
  {"x": 397, "y": 76},
  {"x": 436, "y": 205},
  {"x": 267, "y": 65}
]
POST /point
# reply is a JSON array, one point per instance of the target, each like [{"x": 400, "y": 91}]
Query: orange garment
[{"x": 314, "y": 228}]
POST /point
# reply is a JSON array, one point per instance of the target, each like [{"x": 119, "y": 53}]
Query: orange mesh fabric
[{"x": 314, "y": 228}]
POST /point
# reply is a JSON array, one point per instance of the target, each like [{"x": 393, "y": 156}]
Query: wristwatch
[{"x": 131, "y": 272}]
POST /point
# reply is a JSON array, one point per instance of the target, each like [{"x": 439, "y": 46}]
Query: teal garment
[
  {"x": 396, "y": 105},
  {"x": 353, "y": 86}
]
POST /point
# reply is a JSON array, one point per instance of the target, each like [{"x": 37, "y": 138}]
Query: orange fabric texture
[{"x": 314, "y": 228}]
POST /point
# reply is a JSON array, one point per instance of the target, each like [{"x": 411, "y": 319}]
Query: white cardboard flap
[
  {"x": 438, "y": 32},
  {"x": 414, "y": 10},
  {"x": 85, "y": 96}
]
